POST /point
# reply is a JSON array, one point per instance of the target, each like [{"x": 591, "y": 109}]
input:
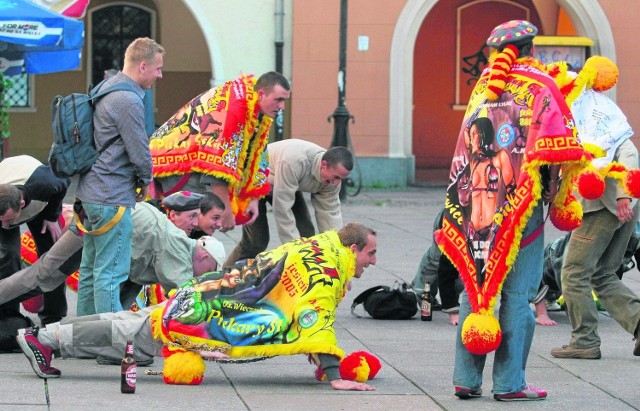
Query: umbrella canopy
[{"x": 40, "y": 39}]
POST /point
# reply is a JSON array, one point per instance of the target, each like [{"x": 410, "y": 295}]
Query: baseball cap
[
  {"x": 215, "y": 249},
  {"x": 182, "y": 201}
]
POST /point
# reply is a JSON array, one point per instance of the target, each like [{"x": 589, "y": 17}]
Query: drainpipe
[{"x": 279, "y": 47}]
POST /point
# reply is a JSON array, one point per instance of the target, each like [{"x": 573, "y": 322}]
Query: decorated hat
[
  {"x": 516, "y": 32},
  {"x": 214, "y": 248},
  {"x": 182, "y": 201}
]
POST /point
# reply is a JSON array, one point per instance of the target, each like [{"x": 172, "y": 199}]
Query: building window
[
  {"x": 19, "y": 95},
  {"x": 112, "y": 29}
]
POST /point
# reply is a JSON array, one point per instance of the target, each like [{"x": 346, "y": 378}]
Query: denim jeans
[
  {"x": 105, "y": 262},
  {"x": 593, "y": 256},
  {"x": 516, "y": 321}
]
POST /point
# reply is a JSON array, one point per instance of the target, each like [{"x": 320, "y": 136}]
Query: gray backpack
[{"x": 73, "y": 150}]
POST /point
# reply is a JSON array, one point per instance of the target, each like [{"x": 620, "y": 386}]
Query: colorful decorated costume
[
  {"x": 290, "y": 309},
  {"x": 516, "y": 125},
  {"x": 218, "y": 135}
]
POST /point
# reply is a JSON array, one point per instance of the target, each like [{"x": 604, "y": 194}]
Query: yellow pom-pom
[
  {"x": 183, "y": 368},
  {"x": 606, "y": 72},
  {"x": 481, "y": 333}
]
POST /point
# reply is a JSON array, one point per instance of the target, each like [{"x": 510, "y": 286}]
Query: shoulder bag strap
[
  {"x": 108, "y": 226},
  {"x": 363, "y": 296}
]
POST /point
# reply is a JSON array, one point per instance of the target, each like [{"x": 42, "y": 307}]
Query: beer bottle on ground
[
  {"x": 128, "y": 371},
  {"x": 426, "y": 305}
]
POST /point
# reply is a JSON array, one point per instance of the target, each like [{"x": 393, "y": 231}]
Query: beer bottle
[
  {"x": 128, "y": 371},
  {"x": 426, "y": 305}
]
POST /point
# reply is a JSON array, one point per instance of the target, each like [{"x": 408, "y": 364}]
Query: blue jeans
[
  {"x": 105, "y": 262},
  {"x": 516, "y": 321}
]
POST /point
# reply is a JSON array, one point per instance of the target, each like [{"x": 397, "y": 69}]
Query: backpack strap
[
  {"x": 364, "y": 295},
  {"x": 108, "y": 226},
  {"x": 97, "y": 92}
]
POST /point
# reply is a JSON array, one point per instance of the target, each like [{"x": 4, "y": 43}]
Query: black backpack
[
  {"x": 73, "y": 150},
  {"x": 386, "y": 303}
]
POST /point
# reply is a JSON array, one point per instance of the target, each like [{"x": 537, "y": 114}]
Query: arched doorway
[
  {"x": 587, "y": 16},
  {"x": 441, "y": 86}
]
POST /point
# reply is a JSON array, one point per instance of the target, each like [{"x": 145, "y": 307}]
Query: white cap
[{"x": 215, "y": 249}]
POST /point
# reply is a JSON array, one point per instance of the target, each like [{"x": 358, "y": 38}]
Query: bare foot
[
  {"x": 453, "y": 318},
  {"x": 543, "y": 319}
]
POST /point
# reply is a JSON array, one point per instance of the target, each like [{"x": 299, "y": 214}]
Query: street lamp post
[{"x": 341, "y": 115}]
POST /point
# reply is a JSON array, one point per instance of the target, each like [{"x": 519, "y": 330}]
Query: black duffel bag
[{"x": 388, "y": 303}]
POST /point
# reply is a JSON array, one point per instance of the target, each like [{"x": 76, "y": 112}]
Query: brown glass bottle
[
  {"x": 128, "y": 371},
  {"x": 426, "y": 304}
]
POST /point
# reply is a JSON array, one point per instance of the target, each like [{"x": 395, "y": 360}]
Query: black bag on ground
[{"x": 388, "y": 303}]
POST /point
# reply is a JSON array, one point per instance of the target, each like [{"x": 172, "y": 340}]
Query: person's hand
[
  {"x": 142, "y": 193},
  {"x": 624, "y": 210},
  {"x": 346, "y": 385},
  {"x": 550, "y": 191},
  {"x": 53, "y": 228},
  {"x": 252, "y": 211},
  {"x": 228, "y": 220}
]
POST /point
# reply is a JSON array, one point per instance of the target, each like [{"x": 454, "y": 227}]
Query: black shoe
[{"x": 436, "y": 305}]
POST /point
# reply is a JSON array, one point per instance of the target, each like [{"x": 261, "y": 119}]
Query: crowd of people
[{"x": 146, "y": 212}]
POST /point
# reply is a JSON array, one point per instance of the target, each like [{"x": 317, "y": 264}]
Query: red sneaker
[
  {"x": 39, "y": 355},
  {"x": 529, "y": 393}
]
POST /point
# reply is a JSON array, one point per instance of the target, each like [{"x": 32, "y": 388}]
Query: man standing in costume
[
  {"x": 218, "y": 142},
  {"x": 596, "y": 249},
  {"x": 533, "y": 131},
  {"x": 296, "y": 167},
  {"x": 286, "y": 304}
]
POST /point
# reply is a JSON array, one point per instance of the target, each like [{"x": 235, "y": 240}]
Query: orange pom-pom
[
  {"x": 590, "y": 185},
  {"x": 632, "y": 182},
  {"x": 606, "y": 72},
  {"x": 183, "y": 368},
  {"x": 481, "y": 333},
  {"x": 568, "y": 217}
]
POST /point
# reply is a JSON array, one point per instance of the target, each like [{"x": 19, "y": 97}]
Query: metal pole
[
  {"x": 341, "y": 115},
  {"x": 279, "y": 42}
]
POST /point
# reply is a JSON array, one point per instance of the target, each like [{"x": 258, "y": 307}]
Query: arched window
[{"x": 112, "y": 29}]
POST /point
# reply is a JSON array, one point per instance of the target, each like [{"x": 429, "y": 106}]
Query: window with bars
[
  {"x": 19, "y": 94},
  {"x": 113, "y": 28}
]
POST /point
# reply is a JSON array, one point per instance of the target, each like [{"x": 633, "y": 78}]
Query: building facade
[{"x": 410, "y": 65}]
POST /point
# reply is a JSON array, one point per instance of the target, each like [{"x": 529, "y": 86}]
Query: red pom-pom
[
  {"x": 568, "y": 217},
  {"x": 359, "y": 366},
  {"x": 590, "y": 185},
  {"x": 33, "y": 304},
  {"x": 632, "y": 182}
]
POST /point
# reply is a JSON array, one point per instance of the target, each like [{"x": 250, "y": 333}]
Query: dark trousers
[
  {"x": 255, "y": 237},
  {"x": 55, "y": 302}
]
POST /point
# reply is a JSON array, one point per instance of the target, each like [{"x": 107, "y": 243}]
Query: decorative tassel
[
  {"x": 500, "y": 68},
  {"x": 359, "y": 366}
]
